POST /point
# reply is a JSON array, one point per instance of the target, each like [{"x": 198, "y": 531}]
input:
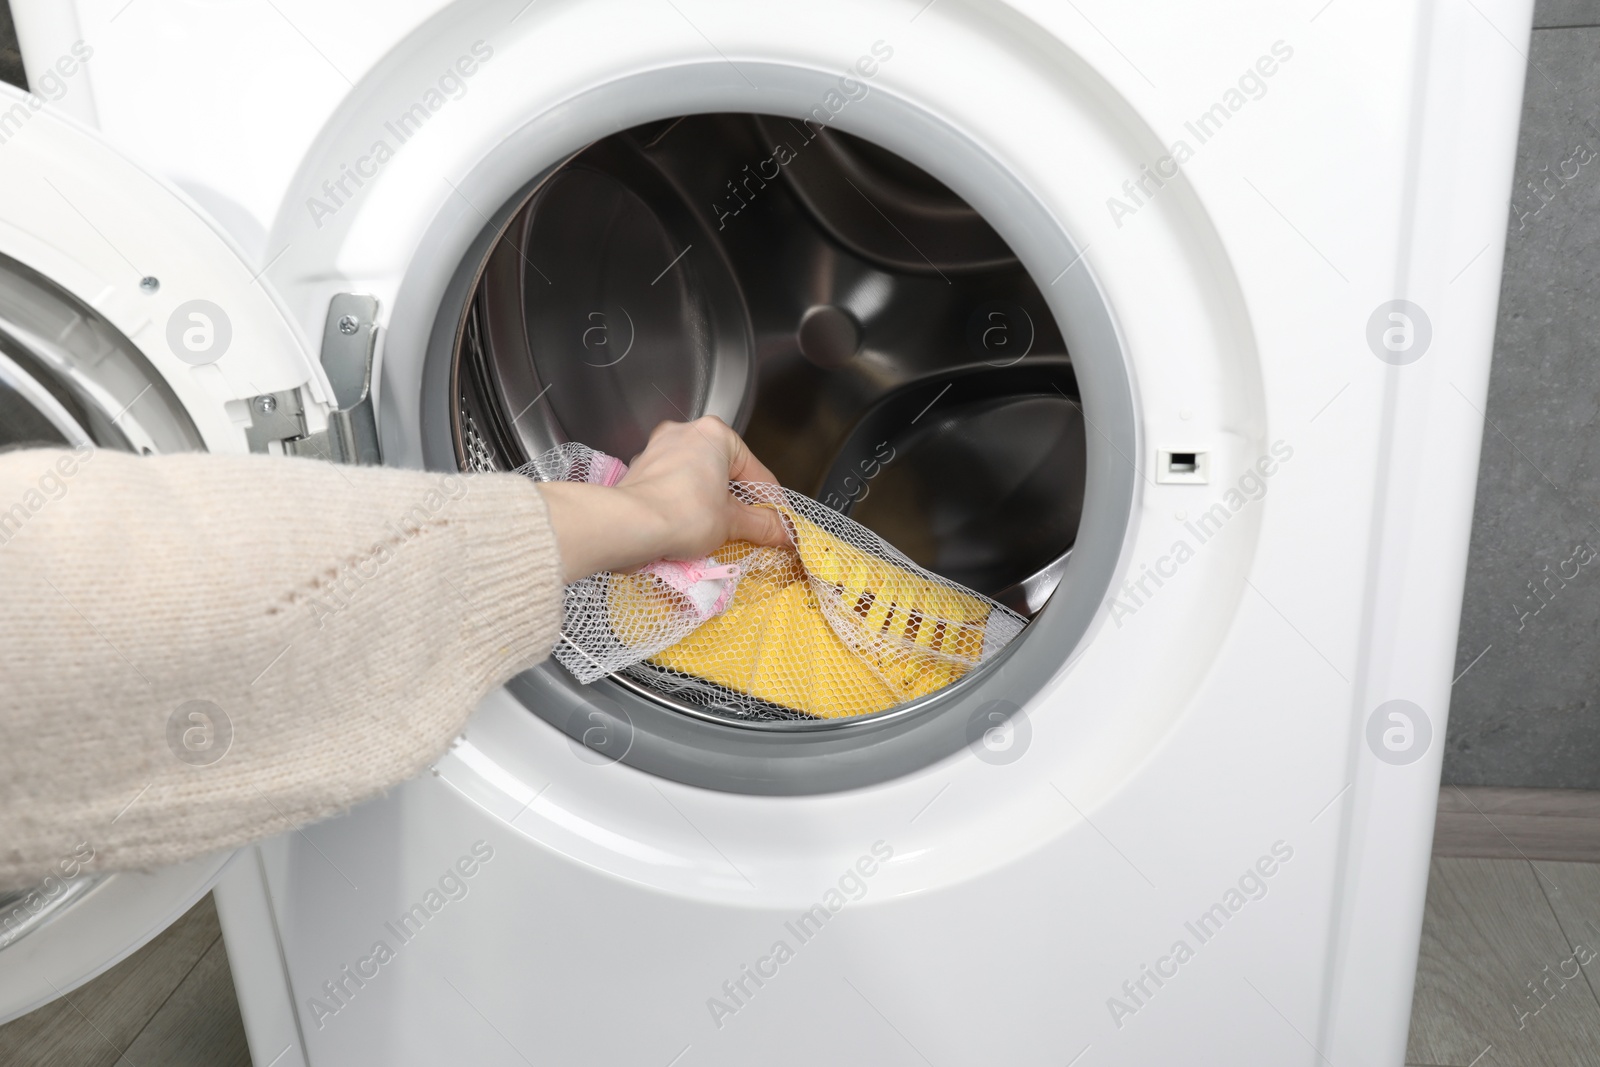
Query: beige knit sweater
[{"x": 198, "y": 650}]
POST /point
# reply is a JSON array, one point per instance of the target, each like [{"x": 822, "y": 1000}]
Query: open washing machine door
[{"x": 128, "y": 322}]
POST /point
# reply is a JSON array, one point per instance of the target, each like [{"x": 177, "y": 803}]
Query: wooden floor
[
  {"x": 1530, "y": 824},
  {"x": 1513, "y": 917},
  {"x": 171, "y": 1004},
  {"x": 1501, "y": 979}
]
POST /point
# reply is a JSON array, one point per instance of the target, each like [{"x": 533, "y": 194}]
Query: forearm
[{"x": 341, "y": 622}]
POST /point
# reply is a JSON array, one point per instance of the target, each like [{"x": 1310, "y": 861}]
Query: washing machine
[{"x": 1167, "y": 327}]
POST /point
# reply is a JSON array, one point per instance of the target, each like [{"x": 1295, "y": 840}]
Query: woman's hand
[{"x": 673, "y": 504}]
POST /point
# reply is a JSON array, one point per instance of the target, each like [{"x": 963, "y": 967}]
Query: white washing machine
[{"x": 1169, "y": 326}]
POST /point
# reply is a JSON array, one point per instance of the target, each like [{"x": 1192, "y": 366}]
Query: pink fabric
[
  {"x": 607, "y": 470},
  {"x": 707, "y": 585}
]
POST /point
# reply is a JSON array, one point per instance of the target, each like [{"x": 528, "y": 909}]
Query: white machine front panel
[{"x": 538, "y": 953}]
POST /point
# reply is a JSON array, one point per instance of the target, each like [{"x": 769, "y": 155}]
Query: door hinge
[{"x": 349, "y": 338}]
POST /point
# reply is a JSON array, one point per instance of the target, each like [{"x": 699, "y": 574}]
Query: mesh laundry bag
[{"x": 837, "y": 625}]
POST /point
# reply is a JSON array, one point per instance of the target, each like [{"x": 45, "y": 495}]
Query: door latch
[{"x": 349, "y": 338}]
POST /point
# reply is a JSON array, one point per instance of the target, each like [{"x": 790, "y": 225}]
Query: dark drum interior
[{"x": 871, "y": 335}]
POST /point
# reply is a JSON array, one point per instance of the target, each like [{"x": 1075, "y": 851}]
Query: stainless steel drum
[{"x": 871, "y": 336}]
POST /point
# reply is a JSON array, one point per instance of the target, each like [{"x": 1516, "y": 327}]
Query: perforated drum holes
[
  {"x": 199, "y": 733},
  {"x": 1399, "y": 332},
  {"x": 998, "y": 732},
  {"x": 600, "y": 732},
  {"x": 1399, "y": 732}
]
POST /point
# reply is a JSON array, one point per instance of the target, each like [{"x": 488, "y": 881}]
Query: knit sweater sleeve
[{"x": 197, "y": 650}]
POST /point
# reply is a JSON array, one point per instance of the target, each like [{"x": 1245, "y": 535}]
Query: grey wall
[
  {"x": 1528, "y": 711},
  {"x": 10, "y": 58}
]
